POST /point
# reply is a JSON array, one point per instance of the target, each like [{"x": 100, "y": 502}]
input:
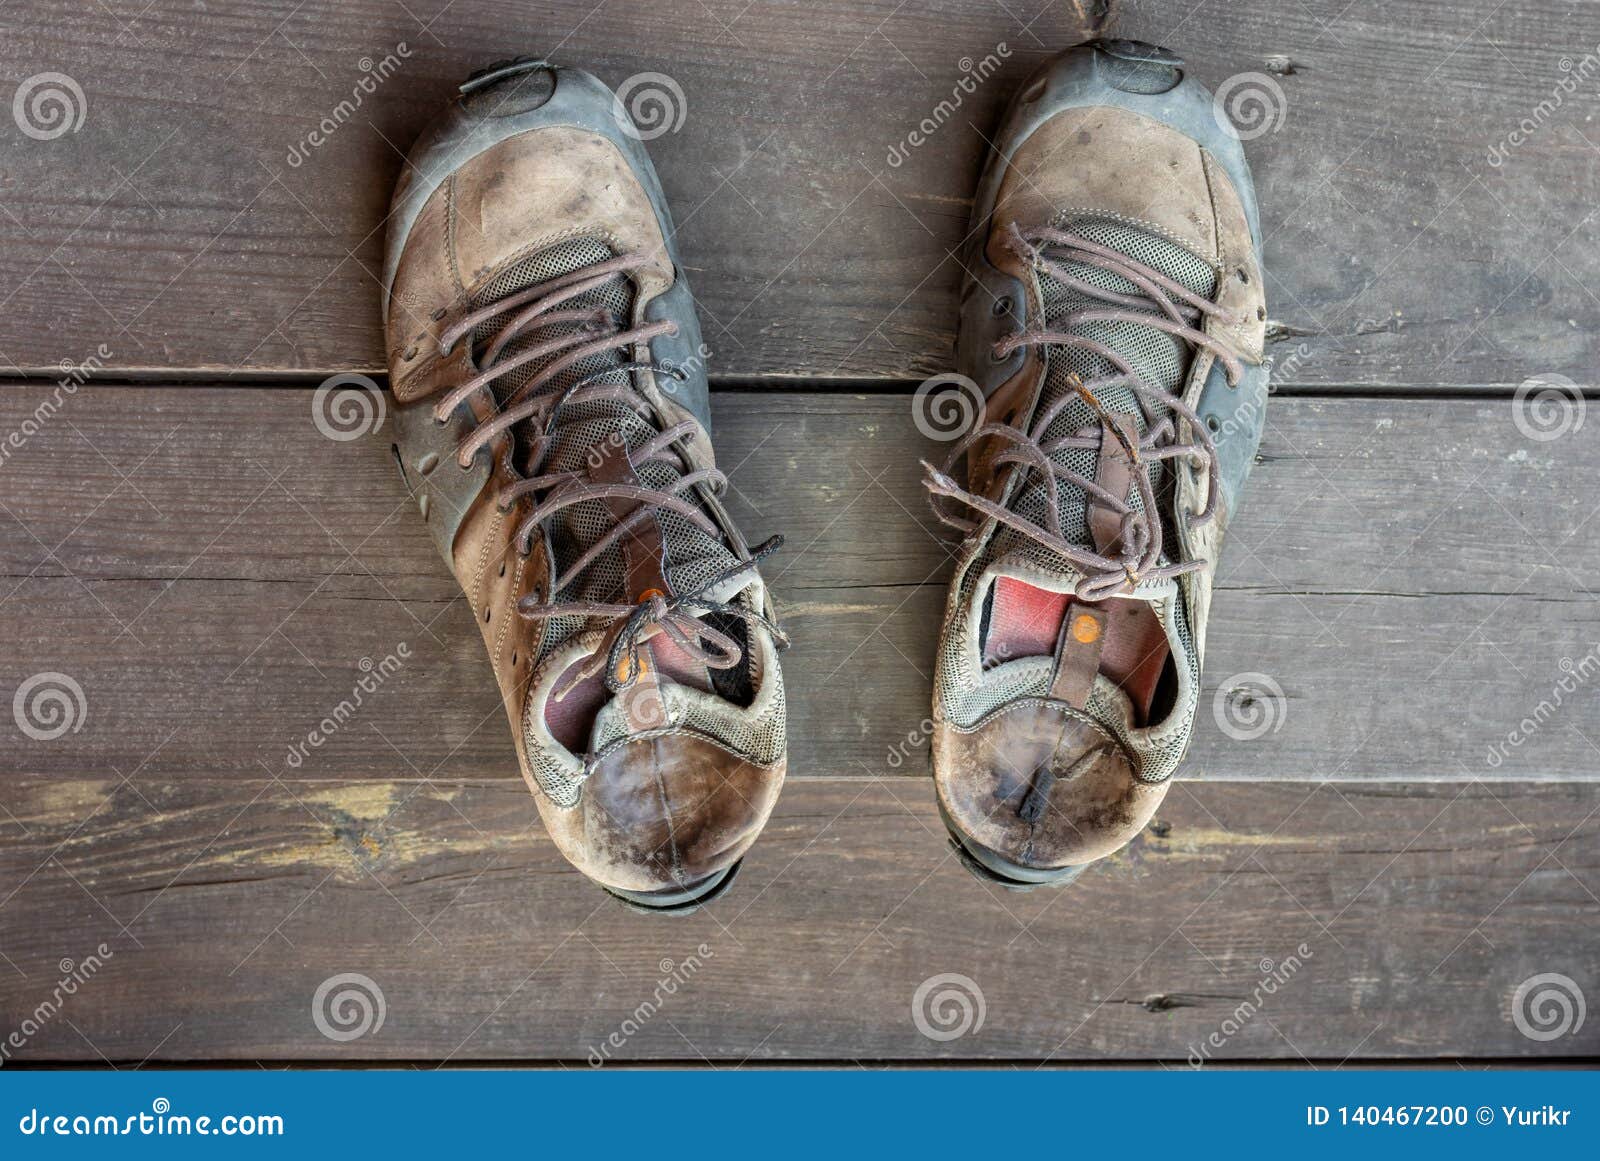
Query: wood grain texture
[
  {"x": 1391, "y": 921},
  {"x": 1410, "y": 576},
  {"x": 172, "y": 226}
]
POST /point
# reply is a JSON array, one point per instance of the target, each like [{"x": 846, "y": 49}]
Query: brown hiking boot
[
  {"x": 1113, "y": 319},
  {"x": 552, "y": 420}
]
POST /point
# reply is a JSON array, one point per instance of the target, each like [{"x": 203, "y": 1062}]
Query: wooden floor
[{"x": 1398, "y": 864}]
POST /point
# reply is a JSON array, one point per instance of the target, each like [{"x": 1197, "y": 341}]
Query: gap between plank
[{"x": 732, "y": 385}]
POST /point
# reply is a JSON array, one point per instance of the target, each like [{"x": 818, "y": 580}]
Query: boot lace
[
  {"x": 564, "y": 334},
  {"x": 1178, "y": 312}
]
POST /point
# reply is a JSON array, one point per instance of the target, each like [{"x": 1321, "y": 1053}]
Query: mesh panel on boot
[
  {"x": 692, "y": 555},
  {"x": 1163, "y": 362}
]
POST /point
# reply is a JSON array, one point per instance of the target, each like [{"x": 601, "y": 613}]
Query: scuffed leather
[
  {"x": 983, "y": 774},
  {"x": 659, "y": 813},
  {"x": 665, "y": 812}
]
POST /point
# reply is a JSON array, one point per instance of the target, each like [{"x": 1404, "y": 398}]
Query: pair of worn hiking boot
[{"x": 552, "y": 419}]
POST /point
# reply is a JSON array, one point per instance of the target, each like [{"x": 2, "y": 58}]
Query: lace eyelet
[
  {"x": 996, "y": 357},
  {"x": 1212, "y": 424},
  {"x": 439, "y": 314},
  {"x": 1002, "y": 306},
  {"x": 411, "y": 353}
]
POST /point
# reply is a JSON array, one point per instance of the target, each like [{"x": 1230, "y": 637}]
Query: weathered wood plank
[
  {"x": 212, "y": 571},
  {"x": 172, "y": 227},
  {"x": 1391, "y": 922}
]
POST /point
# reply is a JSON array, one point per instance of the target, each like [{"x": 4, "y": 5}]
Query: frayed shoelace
[
  {"x": 1178, "y": 312},
  {"x": 587, "y": 331}
]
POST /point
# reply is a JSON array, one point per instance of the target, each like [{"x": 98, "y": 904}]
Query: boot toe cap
[
  {"x": 1040, "y": 787},
  {"x": 667, "y": 815}
]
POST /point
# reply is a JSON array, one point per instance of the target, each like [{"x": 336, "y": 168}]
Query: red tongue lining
[
  {"x": 571, "y": 720},
  {"x": 1025, "y": 621}
]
